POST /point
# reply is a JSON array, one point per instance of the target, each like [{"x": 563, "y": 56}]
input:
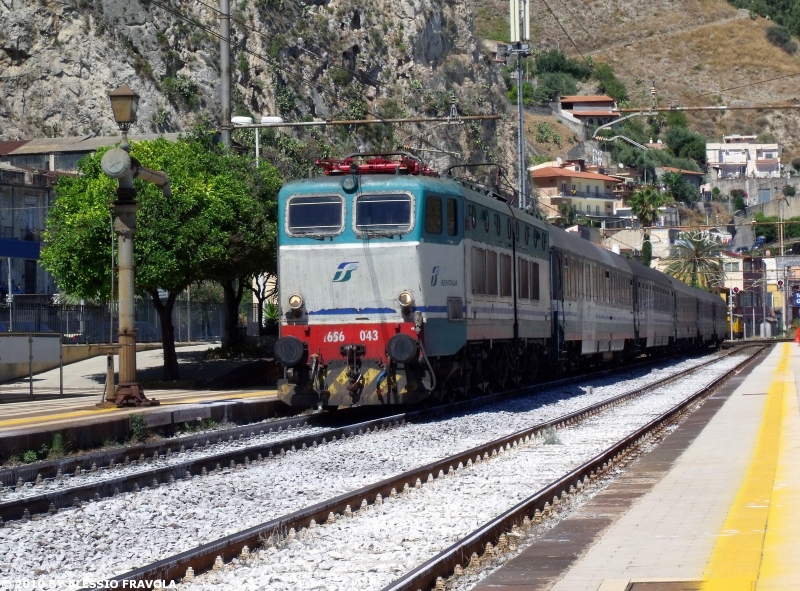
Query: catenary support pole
[{"x": 225, "y": 67}]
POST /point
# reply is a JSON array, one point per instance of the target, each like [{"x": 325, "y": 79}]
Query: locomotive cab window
[
  {"x": 385, "y": 213},
  {"x": 314, "y": 215},
  {"x": 433, "y": 214}
]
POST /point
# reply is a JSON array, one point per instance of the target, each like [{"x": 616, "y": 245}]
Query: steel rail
[
  {"x": 203, "y": 557},
  {"x": 48, "y": 502},
  {"x": 444, "y": 564}
]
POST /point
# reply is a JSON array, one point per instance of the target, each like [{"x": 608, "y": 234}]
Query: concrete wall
[{"x": 69, "y": 353}]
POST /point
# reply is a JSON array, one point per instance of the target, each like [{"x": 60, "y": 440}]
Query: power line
[
  {"x": 558, "y": 22},
  {"x": 750, "y": 84}
]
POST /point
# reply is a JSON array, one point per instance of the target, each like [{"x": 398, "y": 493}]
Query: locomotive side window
[
  {"x": 491, "y": 272},
  {"x": 524, "y": 279},
  {"x": 478, "y": 270},
  {"x": 433, "y": 214},
  {"x": 534, "y": 274},
  {"x": 497, "y": 223},
  {"x": 318, "y": 215},
  {"x": 452, "y": 219},
  {"x": 383, "y": 213},
  {"x": 505, "y": 275},
  {"x": 536, "y": 237}
]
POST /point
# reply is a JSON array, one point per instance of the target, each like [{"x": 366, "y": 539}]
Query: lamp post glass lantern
[{"x": 124, "y": 103}]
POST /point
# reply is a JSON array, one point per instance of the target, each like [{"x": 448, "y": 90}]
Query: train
[{"x": 398, "y": 285}]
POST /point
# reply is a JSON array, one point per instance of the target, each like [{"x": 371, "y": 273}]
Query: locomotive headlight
[
  {"x": 295, "y": 301},
  {"x": 405, "y": 298}
]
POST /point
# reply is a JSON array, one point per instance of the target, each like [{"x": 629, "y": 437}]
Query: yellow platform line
[
  {"x": 40, "y": 419},
  {"x": 737, "y": 556}
]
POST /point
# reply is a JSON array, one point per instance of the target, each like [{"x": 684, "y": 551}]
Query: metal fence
[{"x": 96, "y": 324}]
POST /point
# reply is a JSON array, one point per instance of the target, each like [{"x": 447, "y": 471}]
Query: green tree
[
  {"x": 179, "y": 240},
  {"x": 679, "y": 188},
  {"x": 696, "y": 261},
  {"x": 644, "y": 204},
  {"x": 738, "y": 199},
  {"x": 767, "y": 226}
]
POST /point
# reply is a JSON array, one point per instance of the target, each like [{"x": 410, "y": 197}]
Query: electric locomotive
[{"x": 389, "y": 272}]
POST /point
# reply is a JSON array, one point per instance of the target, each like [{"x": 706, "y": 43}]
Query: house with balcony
[
  {"x": 591, "y": 194},
  {"x": 741, "y": 156},
  {"x": 589, "y": 110}
]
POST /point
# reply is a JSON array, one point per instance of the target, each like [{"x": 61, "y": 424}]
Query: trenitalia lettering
[{"x": 450, "y": 282}]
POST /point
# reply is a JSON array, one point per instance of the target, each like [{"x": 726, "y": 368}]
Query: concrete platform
[
  {"x": 29, "y": 424},
  {"x": 716, "y": 506}
]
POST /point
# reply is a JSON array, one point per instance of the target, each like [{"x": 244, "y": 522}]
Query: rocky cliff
[{"x": 310, "y": 59}]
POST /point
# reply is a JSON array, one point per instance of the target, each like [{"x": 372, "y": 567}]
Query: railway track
[
  {"x": 237, "y": 546},
  {"x": 45, "y": 488}
]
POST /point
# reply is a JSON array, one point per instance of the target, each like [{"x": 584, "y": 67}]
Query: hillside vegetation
[{"x": 698, "y": 53}]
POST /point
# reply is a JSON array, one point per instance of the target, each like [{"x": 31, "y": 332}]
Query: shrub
[
  {"x": 30, "y": 456},
  {"x": 781, "y": 37},
  {"x": 181, "y": 90},
  {"x": 609, "y": 83},
  {"x": 57, "y": 447},
  {"x": 789, "y": 190},
  {"x": 139, "y": 428}
]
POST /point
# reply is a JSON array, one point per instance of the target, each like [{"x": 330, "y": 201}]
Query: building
[
  {"x": 629, "y": 240},
  {"x": 741, "y": 156},
  {"x": 591, "y": 194},
  {"x": 25, "y": 199},
  {"x": 62, "y": 154},
  {"x": 589, "y": 110},
  {"x": 692, "y": 177}
]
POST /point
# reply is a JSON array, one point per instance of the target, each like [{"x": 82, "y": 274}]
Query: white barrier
[{"x": 33, "y": 348}]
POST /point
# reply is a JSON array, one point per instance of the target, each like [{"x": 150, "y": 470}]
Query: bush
[
  {"x": 181, "y": 90},
  {"x": 555, "y": 61},
  {"x": 30, "y": 456},
  {"x": 609, "y": 83},
  {"x": 139, "y": 428},
  {"x": 738, "y": 199},
  {"x": 781, "y": 37},
  {"x": 789, "y": 190}
]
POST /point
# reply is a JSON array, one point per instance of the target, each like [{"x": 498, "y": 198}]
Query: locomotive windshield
[
  {"x": 318, "y": 215},
  {"x": 383, "y": 214}
]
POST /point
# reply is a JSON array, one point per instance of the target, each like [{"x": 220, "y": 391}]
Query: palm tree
[
  {"x": 696, "y": 261},
  {"x": 644, "y": 205}
]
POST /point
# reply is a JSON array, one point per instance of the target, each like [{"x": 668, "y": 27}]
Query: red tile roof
[
  {"x": 9, "y": 146},
  {"x": 543, "y": 173},
  {"x": 680, "y": 170},
  {"x": 589, "y": 98}
]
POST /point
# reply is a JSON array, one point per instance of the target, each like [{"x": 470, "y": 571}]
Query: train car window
[
  {"x": 491, "y": 272},
  {"x": 497, "y": 223},
  {"x": 576, "y": 279},
  {"x": 485, "y": 220},
  {"x": 478, "y": 270},
  {"x": 536, "y": 237},
  {"x": 527, "y": 234},
  {"x": 383, "y": 213},
  {"x": 544, "y": 241},
  {"x": 317, "y": 215},
  {"x": 452, "y": 217},
  {"x": 534, "y": 274},
  {"x": 566, "y": 278},
  {"x": 607, "y": 284},
  {"x": 508, "y": 227},
  {"x": 587, "y": 281},
  {"x": 505, "y": 275},
  {"x": 523, "y": 279},
  {"x": 433, "y": 214},
  {"x": 516, "y": 231},
  {"x": 473, "y": 216}
]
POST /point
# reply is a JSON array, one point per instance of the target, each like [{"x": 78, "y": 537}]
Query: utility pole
[
  {"x": 225, "y": 67},
  {"x": 519, "y": 17}
]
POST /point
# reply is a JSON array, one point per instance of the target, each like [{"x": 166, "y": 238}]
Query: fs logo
[
  {"x": 434, "y": 275},
  {"x": 344, "y": 271}
]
